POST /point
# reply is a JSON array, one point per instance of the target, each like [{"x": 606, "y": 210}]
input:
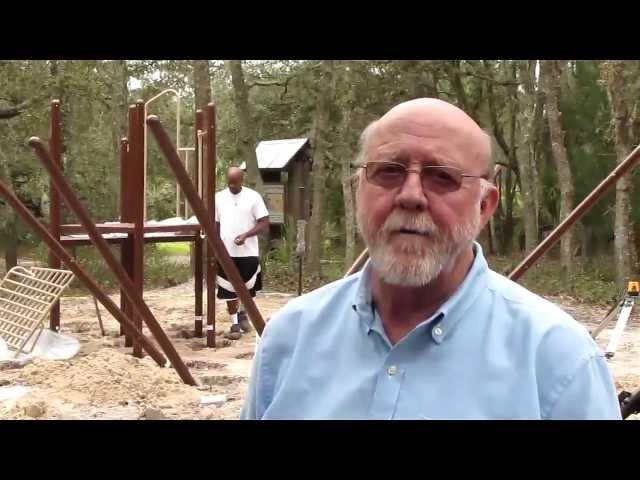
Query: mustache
[{"x": 399, "y": 220}]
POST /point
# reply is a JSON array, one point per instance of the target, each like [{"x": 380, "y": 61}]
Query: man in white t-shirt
[{"x": 240, "y": 216}]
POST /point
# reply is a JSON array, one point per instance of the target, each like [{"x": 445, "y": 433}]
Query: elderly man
[
  {"x": 240, "y": 216},
  {"x": 426, "y": 330}
]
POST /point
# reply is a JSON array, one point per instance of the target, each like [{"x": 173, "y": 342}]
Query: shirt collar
[
  {"x": 449, "y": 313},
  {"x": 454, "y": 309}
]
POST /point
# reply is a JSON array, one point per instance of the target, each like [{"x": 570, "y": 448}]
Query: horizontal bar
[{"x": 31, "y": 287}]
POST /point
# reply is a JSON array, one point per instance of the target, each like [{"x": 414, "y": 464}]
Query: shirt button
[
  {"x": 391, "y": 371},
  {"x": 437, "y": 331}
]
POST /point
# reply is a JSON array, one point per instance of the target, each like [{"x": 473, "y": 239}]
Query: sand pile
[{"x": 103, "y": 380}]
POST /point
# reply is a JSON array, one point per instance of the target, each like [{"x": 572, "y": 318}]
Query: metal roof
[{"x": 276, "y": 154}]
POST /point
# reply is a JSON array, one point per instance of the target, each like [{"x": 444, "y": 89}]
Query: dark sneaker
[
  {"x": 243, "y": 321},
  {"x": 234, "y": 333}
]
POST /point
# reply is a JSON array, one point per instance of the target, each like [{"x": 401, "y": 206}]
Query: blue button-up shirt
[{"x": 493, "y": 350}]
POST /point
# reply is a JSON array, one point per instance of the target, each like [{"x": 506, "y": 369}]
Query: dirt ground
[{"x": 104, "y": 381}]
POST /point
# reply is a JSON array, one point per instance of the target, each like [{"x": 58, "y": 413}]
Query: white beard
[{"x": 414, "y": 260}]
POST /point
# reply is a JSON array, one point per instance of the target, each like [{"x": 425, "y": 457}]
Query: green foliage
[
  {"x": 283, "y": 276},
  {"x": 593, "y": 282},
  {"x": 163, "y": 267},
  {"x": 282, "y": 98}
]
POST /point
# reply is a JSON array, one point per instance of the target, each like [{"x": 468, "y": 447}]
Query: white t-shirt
[{"x": 238, "y": 214}]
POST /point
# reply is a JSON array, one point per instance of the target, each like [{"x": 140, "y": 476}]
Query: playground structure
[
  {"x": 61, "y": 253},
  {"x": 132, "y": 232},
  {"x": 207, "y": 221}
]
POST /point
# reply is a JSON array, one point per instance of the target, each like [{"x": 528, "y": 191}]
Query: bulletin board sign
[{"x": 274, "y": 198}]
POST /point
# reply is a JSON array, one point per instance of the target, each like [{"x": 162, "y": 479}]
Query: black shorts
[{"x": 249, "y": 268}]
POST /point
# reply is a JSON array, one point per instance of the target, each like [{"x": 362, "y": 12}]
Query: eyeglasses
[{"x": 435, "y": 178}]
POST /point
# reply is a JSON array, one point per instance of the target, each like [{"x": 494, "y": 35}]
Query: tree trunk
[
  {"x": 508, "y": 225},
  {"x": 320, "y": 134},
  {"x": 8, "y": 221},
  {"x": 526, "y": 160},
  {"x": 452, "y": 68},
  {"x": 202, "y": 94},
  {"x": 497, "y": 220},
  {"x": 246, "y": 130},
  {"x": 58, "y": 92},
  {"x": 512, "y": 175},
  {"x": 504, "y": 220},
  {"x": 635, "y": 122},
  {"x": 119, "y": 111},
  {"x": 10, "y": 243},
  {"x": 537, "y": 142},
  {"x": 201, "y": 83},
  {"x": 349, "y": 216},
  {"x": 624, "y": 245},
  {"x": 347, "y": 175},
  {"x": 551, "y": 72}
]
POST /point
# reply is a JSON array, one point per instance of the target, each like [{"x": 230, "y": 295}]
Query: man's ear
[{"x": 488, "y": 202}]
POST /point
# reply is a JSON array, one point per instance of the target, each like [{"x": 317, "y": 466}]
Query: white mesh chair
[{"x": 26, "y": 297}]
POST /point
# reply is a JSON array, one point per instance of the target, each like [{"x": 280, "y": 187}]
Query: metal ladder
[
  {"x": 623, "y": 309},
  {"x": 629, "y": 402}
]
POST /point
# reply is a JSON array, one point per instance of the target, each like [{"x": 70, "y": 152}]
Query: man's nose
[{"x": 411, "y": 195}]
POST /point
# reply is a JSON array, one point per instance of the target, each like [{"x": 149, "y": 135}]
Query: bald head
[
  {"x": 427, "y": 118},
  {"x": 235, "y": 172},
  {"x": 235, "y": 177}
]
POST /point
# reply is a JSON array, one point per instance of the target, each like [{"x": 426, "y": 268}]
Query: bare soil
[{"x": 104, "y": 381}]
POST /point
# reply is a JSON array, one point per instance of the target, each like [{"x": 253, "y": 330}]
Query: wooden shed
[{"x": 284, "y": 166}]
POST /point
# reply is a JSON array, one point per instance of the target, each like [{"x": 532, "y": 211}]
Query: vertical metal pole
[
  {"x": 130, "y": 197},
  {"x": 197, "y": 274},
  {"x": 206, "y": 222},
  {"x": 55, "y": 145},
  {"x": 124, "y": 202},
  {"x": 210, "y": 204},
  {"x": 138, "y": 213},
  {"x": 101, "y": 245},
  {"x": 56, "y": 247}
]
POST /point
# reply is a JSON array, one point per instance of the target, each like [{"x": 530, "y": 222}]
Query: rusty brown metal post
[
  {"x": 126, "y": 260},
  {"x": 577, "y": 213},
  {"x": 127, "y": 213},
  {"x": 206, "y": 221},
  {"x": 133, "y": 294},
  {"x": 358, "y": 264},
  {"x": 197, "y": 274},
  {"x": 55, "y": 212},
  {"x": 124, "y": 201},
  {"x": 138, "y": 192},
  {"x": 57, "y": 249},
  {"x": 124, "y": 179},
  {"x": 209, "y": 187}
]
